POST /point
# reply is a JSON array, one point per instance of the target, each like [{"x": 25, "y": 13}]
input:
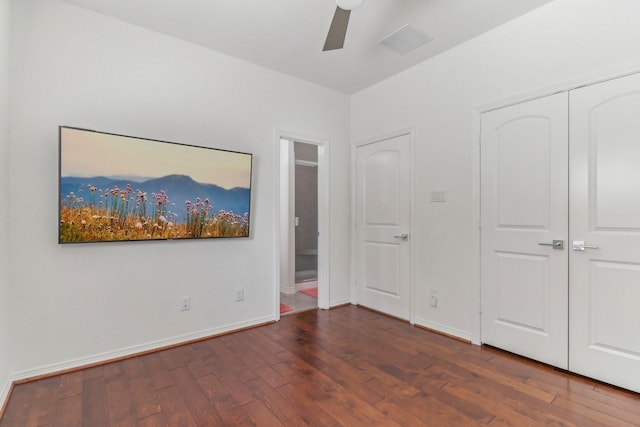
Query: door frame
[
  {"x": 354, "y": 147},
  {"x": 323, "y": 214},
  {"x": 599, "y": 76}
]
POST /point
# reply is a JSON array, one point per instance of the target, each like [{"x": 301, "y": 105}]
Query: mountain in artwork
[{"x": 178, "y": 188}]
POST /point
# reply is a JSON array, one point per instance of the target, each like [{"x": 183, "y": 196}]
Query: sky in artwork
[{"x": 88, "y": 154}]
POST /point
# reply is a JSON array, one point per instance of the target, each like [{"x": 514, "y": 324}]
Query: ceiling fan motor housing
[{"x": 348, "y": 4}]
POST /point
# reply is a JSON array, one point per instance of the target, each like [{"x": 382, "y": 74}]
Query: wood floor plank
[
  {"x": 195, "y": 398},
  {"x": 261, "y": 415},
  {"x": 617, "y": 393},
  {"x": 596, "y": 417},
  {"x": 437, "y": 410},
  {"x": 339, "y": 400},
  {"x": 70, "y": 385},
  {"x": 68, "y": 412},
  {"x": 159, "y": 374},
  {"x": 19, "y": 406},
  {"x": 516, "y": 406},
  {"x": 345, "y": 367},
  {"x": 224, "y": 403},
  {"x": 199, "y": 367},
  {"x": 231, "y": 382},
  {"x": 272, "y": 377},
  {"x": 298, "y": 394},
  {"x": 280, "y": 407},
  {"x": 174, "y": 409},
  {"x": 351, "y": 377},
  {"x": 156, "y": 420},
  {"x": 508, "y": 407},
  {"x": 254, "y": 343},
  {"x": 510, "y": 380},
  {"x": 145, "y": 398},
  {"x": 119, "y": 399},
  {"x": 617, "y": 398},
  {"x": 398, "y": 413},
  {"x": 263, "y": 343},
  {"x": 42, "y": 405},
  {"x": 94, "y": 402},
  {"x": 93, "y": 372}
]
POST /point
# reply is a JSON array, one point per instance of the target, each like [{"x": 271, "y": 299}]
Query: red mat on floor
[
  {"x": 312, "y": 292},
  {"x": 284, "y": 308}
]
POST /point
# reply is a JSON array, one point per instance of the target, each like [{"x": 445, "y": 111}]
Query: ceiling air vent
[{"x": 405, "y": 40}]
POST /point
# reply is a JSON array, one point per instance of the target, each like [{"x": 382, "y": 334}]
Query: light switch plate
[{"x": 438, "y": 196}]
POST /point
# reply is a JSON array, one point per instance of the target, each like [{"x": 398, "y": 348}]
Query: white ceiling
[{"x": 288, "y": 35}]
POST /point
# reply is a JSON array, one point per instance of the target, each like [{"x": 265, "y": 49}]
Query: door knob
[
  {"x": 557, "y": 244},
  {"x": 578, "y": 245}
]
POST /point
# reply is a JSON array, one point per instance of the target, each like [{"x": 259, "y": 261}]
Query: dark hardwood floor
[{"x": 343, "y": 367}]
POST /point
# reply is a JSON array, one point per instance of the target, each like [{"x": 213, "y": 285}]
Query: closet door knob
[
  {"x": 557, "y": 244},
  {"x": 578, "y": 245}
]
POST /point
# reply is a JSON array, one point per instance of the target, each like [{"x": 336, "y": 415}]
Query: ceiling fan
[{"x": 339, "y": 24}]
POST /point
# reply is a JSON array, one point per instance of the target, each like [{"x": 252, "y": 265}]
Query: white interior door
[
  {"x": 524, "y": 185},
  {"x": 605, "y": 214},
  {"x": 383, "y": 201},
  {"x": 286, "y": 240}
]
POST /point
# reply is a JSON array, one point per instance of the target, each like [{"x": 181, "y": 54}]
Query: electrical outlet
[
  {"x": 185, "y": 303},
  {"x": 434, "y": 297},
  {"x": 240, "y": 294}
]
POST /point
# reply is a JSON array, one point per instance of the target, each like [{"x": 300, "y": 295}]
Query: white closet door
[
  {"x": 524, "y": 209},
  {"x": 605, "y": 213}
]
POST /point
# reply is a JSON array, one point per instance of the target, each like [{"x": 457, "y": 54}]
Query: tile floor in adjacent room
[{"x": 298, "y": 301}]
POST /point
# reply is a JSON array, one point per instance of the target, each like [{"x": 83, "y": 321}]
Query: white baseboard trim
[
  {"x": 105, "y": 357},
  {"x": 307, "y": 284},
  {"x": 289, "y": 290},
  {"x": 464, "y": 335},
  {"x": 340, "y": 302},
  {"x": 4, "y": 393}
]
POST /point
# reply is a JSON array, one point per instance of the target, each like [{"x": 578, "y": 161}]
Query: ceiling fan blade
[{"x": 338, "y": 30}]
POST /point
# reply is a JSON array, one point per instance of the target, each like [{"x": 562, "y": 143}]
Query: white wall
[
  {"x": 5, "y": 345},
  {"x": 560, "y": 41},
  {"x": 75, "y": 303}
]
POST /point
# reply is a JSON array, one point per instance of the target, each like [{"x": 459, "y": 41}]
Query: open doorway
[{"x": 301, "y": 219}]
